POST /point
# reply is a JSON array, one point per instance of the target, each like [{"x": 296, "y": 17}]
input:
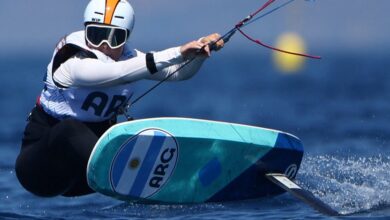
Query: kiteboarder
[{"x": 88, "y": 82}]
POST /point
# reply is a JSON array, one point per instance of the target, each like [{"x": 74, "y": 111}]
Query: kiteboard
[{"x": 183, "y": 160}]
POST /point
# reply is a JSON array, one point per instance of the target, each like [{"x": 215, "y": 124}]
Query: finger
[
  {"x": 207, "y": 50},
  {"x": 215, "y": 37},
  {"x": 219, "y": 45},
  {"x": 213, "y": 46},
  {"x": 201, "y": 45}
]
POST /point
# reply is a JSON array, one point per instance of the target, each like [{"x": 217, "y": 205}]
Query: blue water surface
[{"x": 338, "y": 106}]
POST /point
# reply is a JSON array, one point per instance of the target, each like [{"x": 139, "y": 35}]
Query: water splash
[
  {"x": 351, "y": 185},
  {"x": 139, "y": 210}
]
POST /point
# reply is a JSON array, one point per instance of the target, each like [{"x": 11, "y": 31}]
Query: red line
[
  {"x": 241, "y": 23},
  {"x": 276, "y": 49}
]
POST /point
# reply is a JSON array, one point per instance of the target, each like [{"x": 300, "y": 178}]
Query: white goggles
[{"x": 96, "y": 35}]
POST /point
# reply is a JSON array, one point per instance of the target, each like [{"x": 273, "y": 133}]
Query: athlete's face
[{"x": 115, "y": 54}]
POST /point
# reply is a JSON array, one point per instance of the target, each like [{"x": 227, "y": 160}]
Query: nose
[{"x": 105, "y": 46}]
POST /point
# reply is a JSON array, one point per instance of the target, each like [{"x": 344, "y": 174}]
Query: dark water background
[{"x": 338, "y": 106}]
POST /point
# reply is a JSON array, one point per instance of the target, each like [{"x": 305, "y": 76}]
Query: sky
[{"x": 357, "y": 25}]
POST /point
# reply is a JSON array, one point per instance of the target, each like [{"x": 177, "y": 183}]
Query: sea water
[{"x": 339, "y": 107}]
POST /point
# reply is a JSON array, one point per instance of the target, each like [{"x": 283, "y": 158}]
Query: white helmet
[{"x": 112, "y": 12}]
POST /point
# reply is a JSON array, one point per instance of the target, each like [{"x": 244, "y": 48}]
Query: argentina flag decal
[{"x": 144, "y": 163}]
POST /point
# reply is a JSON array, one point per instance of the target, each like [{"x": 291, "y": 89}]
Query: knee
[{"x": 35, "y": 180}]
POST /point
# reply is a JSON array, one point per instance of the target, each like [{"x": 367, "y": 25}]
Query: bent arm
[{"x": 77, "y": 72}]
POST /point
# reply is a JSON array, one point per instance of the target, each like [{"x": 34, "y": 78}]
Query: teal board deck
[{"x": 182, "y": 160}]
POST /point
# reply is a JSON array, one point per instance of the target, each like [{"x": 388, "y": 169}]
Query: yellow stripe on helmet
[{"x": 110, "y": 9}]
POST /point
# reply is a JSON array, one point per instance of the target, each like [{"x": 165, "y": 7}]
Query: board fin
[{"x": 304, "y": 195}]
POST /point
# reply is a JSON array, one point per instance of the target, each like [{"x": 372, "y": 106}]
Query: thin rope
[
  {"x": 226, "y": 37},
  {"x": 161, "y": 81}
]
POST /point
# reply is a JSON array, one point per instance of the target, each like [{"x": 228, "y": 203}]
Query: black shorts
[{"x": 54, "y": 154}]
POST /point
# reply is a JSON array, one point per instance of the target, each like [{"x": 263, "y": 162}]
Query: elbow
[{"x": 182, "y": 77}]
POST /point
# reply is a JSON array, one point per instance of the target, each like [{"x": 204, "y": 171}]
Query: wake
[{"x": 350, "y": 185}]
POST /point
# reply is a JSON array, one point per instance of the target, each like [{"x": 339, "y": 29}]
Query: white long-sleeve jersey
[{"x": 85, "y": 84}]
